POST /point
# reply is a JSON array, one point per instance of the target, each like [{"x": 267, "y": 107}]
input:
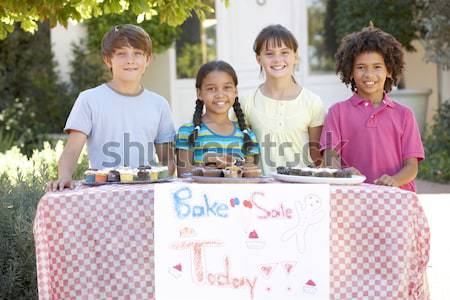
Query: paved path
[
  {"x": 435, "y": 199},
  {"x": 428, "y": 187}
]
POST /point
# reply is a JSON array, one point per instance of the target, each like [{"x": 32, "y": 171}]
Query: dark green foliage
[
  {"x": 88, "y": 69},
  {"x": 18, "y": 204},
  {"x": 6, "y": 140},
  {"x": 331, "y": 42},
  {"x": 436, "y": 165},
  {"x": 393, "y": 16},
  {"x": 20, "y": 191},
  {"x": 32, "y": 101},
  {"x": 162, "y": 35},
  {"x": 434, "y": 25}
]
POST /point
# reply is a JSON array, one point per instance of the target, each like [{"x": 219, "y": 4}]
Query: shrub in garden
[
  {"x": 436, "y": 165},
  {"x": 32, "y": 100},
  {"x": 22, "y": 183}
]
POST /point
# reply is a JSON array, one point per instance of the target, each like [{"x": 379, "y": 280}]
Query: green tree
[
  {"x": 433, "y": 21},
  {"x": 32, "y": 100},
  {"x": 396, "y": 17},
  {"x": 29, "y": 13}
]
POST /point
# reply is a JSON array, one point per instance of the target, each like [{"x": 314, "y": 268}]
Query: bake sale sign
[{"x": 242, "y": 241}]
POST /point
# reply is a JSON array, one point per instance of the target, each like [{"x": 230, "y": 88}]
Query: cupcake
[
  {"x": 233, "y": 172},
  {"x": 209, "y": 158},
  {"x": 153, "y": 175},
  {"x": 113, "y": 176},
  {"x": 176, "y": 270},
  {"x": 224, "y": 160},
  {"x": 126, "y": 175},
  {"x": 323, "y": 174},
  {"x": 310, "y": 287},
  {"x": 212, "y": 172},
  {"x": 254, "y": 242},
  {"x": 307, "y": 171},
  {"x": 343, "y": 173},
  {"x": 294, "y": 171},
  {"x": 89, "y": 175},
  {"x": 197, "y": 171},
  {"x": 143, "y": 174},
  {"x": 101, "y": 176},
  {"x": 282, "y": 170},
  {"x": 163, "y": 172},
  {"x": 250, "y": 170}
]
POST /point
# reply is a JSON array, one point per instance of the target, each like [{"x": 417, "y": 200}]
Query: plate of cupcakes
[
  {"x": 226, "y": 168},
  {"x": 125, "y": 175},
  {"x": 317, "y": 175}
]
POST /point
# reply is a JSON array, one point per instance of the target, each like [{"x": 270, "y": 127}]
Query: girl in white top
[{"x": 286, "y": 117}]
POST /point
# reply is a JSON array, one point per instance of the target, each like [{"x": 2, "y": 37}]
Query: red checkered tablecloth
[{"x": 97, "y": 243}]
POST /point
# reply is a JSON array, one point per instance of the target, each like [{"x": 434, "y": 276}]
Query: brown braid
[
  {"x": 248, "y": 143},
  {"x": 197, "y": 120}
]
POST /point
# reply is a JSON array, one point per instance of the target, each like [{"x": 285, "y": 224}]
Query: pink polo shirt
[{"x": 375, "y": 140}]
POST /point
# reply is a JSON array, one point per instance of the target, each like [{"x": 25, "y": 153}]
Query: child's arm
[
  {"x": 331, "y": 159},
  {"x": 68, "y": 162},
  {"x": 165, "y": 156},
  {"x": 184, "y": 161},
  {"x": 314, "y": 144},
  {"x": 407, "y": 174}
]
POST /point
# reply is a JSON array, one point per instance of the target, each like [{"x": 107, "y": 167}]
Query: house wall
[
  {"x": 157, "y": 75},
  {"x": 444, "y": 79},
  {"x": 62, "y": 39},
  {"x": 419, "y": 74}
]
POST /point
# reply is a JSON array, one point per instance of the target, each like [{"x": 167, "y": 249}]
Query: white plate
[
  {"x": 206, "y": 179},
  {"x": 355, "y": 179},
  {"x": 167, "y": 179}
]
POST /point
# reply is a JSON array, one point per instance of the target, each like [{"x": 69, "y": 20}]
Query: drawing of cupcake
[
  {"x": 310, "y": 287},
  {"x": 253, "y": 241},
  {"x": 176, "y": 271}
]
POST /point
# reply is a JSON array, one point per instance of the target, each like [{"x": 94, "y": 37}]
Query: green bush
[
  {"x": 32, "y": 100},
  {"x": 396, "y": 17},
  {"x": 436, "y": 165},
  {"x": 22, "y": 182}
]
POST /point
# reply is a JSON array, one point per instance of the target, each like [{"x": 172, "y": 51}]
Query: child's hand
[
  {"x": 354, "y": 171},
  {"x": 60, "y": 184},
  {"x": 386, "y": 180}
]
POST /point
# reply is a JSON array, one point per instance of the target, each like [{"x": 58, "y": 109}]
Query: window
[
  {"x": 322, "y": 43},
  {"x": 196, "y": 45}
]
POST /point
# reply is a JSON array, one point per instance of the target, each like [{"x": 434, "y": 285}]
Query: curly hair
[
  {"x": 370, "y": 39},
  {"x": 204, "y": 70}
]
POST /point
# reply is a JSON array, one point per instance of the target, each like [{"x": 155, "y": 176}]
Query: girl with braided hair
[{"x": 213, "y": 131}]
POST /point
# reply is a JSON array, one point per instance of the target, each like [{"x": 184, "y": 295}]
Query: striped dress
[{"x": 209, "y": 141}]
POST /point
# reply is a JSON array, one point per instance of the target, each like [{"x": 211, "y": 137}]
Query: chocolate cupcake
[
  {"x": 197, "y": 171},
  {"x": 294, "y": 171},
  {"x": 143, "y": 174},
  {"x": 323, "y": 174},
  {"x": 306, "y": 172},
  {"x": 343, "y": 173},
  {"x": 282, "y": 170},
  {"x": 212, "y": 172},
  {"x": 113, "y": 176}
]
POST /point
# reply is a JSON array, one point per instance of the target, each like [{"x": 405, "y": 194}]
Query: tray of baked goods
[
  {"x": 318, "y": 175},
  {"x": 125, "y": 175},
  {"x": 225, "y": 168}
]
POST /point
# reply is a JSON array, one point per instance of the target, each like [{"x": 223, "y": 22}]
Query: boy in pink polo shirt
[{"x": 376, "y": 136}]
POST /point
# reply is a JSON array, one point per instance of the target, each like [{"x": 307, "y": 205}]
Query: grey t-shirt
[{"x": 121, "y": 129}]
